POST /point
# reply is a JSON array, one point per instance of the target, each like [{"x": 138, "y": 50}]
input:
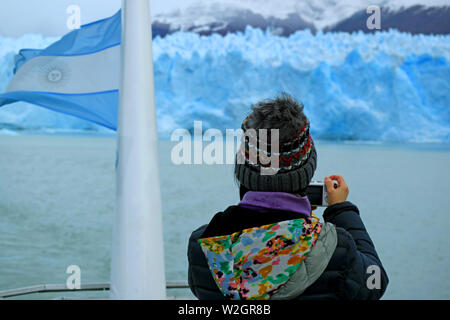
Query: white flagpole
[{"x": 137, "y": 266}]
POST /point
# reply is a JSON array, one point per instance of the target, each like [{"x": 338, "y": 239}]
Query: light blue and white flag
[{"x": 77, "y": 75}]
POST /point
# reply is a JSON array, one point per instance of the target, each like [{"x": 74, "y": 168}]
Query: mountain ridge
[{"x": 207, "y": 20}]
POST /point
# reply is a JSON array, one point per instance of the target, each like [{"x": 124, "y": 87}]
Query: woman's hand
[{"x": 337, "y": 192}]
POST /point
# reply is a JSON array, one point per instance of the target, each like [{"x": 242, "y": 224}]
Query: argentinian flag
[{"x": 77, "y": 75}]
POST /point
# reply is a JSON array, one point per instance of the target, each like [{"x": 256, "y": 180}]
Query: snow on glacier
[{"x": 385, "y": 86}]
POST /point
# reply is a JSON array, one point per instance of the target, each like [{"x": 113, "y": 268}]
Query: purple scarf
[{"x": 276, "y": 201}]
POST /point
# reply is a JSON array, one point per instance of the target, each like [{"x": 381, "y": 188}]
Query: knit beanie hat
[{"x": 296, "y": 154}]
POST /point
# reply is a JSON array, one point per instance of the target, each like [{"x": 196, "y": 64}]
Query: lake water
[{"x": 57, "y": 208}]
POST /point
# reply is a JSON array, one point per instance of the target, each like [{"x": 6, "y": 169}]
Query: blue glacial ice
[{"x": 385, "y": 86}]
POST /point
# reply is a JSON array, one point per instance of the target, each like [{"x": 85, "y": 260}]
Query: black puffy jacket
[{"x": 346, "y": 275}]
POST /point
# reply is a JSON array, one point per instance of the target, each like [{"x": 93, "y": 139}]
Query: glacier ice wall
[{"x": 386, "y": 86}]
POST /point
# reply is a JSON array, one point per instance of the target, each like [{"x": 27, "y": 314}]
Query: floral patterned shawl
[{"x": 255, "y": 262}]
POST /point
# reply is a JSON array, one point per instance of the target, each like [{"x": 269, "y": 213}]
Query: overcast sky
[{"x": 49, "y": 17}]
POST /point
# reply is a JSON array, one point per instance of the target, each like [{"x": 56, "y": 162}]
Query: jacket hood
[{"x": 270, "y": 261}]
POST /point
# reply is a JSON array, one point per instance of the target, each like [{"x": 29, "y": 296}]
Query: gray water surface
[{"x": 57, "y": 207}]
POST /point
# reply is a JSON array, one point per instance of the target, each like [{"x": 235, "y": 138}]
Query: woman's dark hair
[{"x": 283, "y": 113}]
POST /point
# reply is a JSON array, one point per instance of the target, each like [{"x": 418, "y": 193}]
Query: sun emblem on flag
[{"x": 54, "y": 74}]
